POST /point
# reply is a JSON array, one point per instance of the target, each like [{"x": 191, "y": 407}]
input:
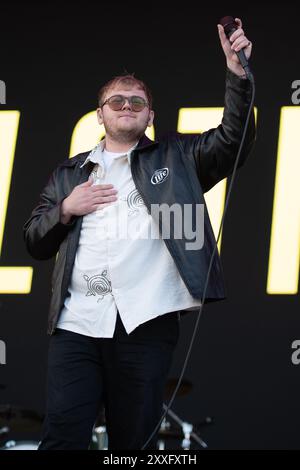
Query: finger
[
  {"x": 239, "y": 22},
  {"x": 243, "y": 44},
  {"x": 96, "y": 187},
  {"x": 105, "y": 186},
  {"x": 239, "y": 41},
  {"x": 98, "y": 207},
  {"x": 238, "y": 33},
  {"x": 222, "y": 35},
  {"x": 104, "y": 192},
  {"x": 100, "y": 191},
  {"x": 102, "y": 199}
]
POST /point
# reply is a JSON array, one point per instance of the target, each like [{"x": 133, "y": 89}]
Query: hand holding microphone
[{"x": 237, "y": 48}]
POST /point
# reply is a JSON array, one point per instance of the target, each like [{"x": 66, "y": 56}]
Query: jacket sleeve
[
  {"x": 43, "y": 232},
  {"x": 214, "y": 151}
]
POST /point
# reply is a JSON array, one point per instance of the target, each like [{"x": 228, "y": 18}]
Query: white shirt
[{"x": 129, "y": 272}]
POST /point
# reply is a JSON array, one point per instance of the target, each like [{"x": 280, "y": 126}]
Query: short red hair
[{"x": 127, "y": 81}]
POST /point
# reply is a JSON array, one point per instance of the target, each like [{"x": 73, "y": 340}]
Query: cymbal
[
  {"x": 184, "y": 389},
  {"x": 19, "y": 419}
]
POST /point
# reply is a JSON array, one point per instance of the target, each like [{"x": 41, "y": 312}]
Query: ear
[
  {"x": 99, "y": 115},
  {"x": 151, "y": 118}
]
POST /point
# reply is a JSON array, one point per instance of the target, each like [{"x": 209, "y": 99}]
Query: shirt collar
[{"x": 96, "y": 155}]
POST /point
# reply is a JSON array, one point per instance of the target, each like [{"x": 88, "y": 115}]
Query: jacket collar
[
  {"x": 145, "y": 142},
  {"x": 96, "y": 155},
  {"x": 83, "y": 158}
]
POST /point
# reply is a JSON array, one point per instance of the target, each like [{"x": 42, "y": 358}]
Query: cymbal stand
[{"x": 187, "y": 429}]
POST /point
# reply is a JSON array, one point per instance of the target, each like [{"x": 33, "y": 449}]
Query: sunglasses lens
[
  {"x": 137, "y": 103},
  {"x": 116, "y": 102}
]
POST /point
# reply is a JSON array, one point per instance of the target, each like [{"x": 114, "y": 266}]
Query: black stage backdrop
[{"x": 53, "y": 61}]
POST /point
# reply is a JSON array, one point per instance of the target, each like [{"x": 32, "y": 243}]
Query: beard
[{"x": 124, "y": 135}]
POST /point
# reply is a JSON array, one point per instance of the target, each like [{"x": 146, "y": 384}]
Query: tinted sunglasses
[{"x": 116, "y": 102}]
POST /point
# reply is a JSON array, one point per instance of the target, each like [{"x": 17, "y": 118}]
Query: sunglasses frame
[{"x": 126, "y": 98}]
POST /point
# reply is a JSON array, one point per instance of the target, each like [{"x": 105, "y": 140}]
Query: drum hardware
[
  {"x": 166, "y": 432},
  {"x": 19, "y": 419},
  {"x": 20, "y": 445},
  {"x": 187, "y": 434},
  {"x": 101, "y": 437},
  {"x": 4, "y": 431},
  {"x": 15, "y": 419}
]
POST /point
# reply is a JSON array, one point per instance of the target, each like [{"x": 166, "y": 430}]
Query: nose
[{"x": 126, "y": 105}]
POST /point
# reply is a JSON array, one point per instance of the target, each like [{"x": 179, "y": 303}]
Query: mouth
[{"x": 126, "y": 115}]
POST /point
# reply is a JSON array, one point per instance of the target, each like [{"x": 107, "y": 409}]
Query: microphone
[{"x": 230, "y": 26}]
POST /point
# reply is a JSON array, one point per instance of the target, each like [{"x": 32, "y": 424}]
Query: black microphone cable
[{"x": 250, "y": 77}]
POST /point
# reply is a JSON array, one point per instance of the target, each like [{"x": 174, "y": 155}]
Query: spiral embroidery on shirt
[
  {"x": 98, "y": 285},
  {"x": 134, "y": 201}
]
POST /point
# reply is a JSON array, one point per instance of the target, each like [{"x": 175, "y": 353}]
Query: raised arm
[{"x": 214, "y": 151}]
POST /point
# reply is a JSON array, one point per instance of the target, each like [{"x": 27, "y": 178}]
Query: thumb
[
  {"x": 222, "y": 35},
  {"x": 87, "y": 183}
]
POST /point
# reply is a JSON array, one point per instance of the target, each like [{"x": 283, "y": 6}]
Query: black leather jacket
[{"x": 195, "y": 162}]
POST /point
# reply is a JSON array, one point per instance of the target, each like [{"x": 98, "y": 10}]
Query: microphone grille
[{"x": 229, "y": 24}]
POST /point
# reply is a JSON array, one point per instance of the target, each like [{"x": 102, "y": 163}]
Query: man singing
[{"x": 116, "y": 301}]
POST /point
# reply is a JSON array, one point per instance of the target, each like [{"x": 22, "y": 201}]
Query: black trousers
[{"x": 126, "y": 373}]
